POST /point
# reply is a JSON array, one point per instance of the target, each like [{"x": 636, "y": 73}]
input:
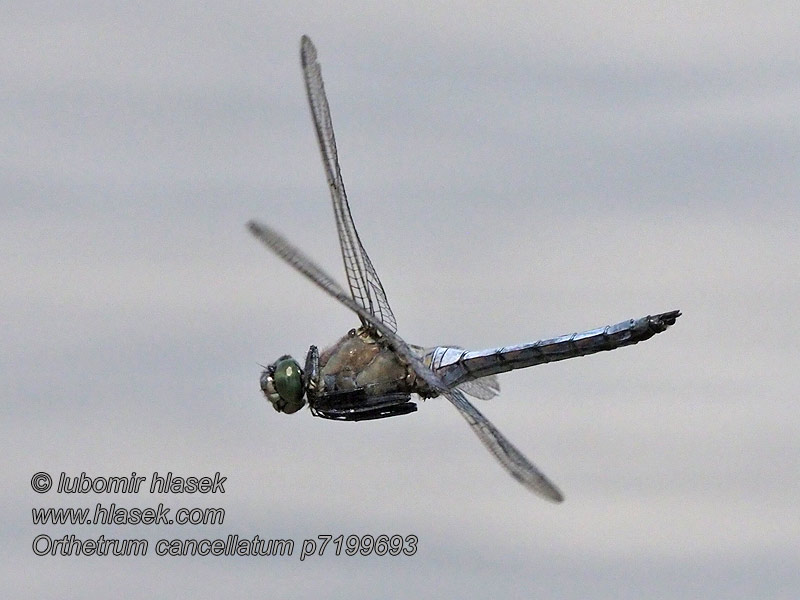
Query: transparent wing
[
  {"x": 484, "y": 388},
  {"x": 365, "y": 286},
  {"x": 504, "y": 451}
]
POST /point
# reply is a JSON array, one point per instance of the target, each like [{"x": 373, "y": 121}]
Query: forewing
[
  {"x": 505, "y": 452},
  {"x": 365, "y": 286}
]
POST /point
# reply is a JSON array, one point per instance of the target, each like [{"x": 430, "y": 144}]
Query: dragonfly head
[{"x": 282, "y": 384}]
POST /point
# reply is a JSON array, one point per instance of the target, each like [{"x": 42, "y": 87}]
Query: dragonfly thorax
[{"x": 282, "y": 384}]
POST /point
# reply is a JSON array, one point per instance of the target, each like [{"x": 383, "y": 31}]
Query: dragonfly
[{"x": 371, "y": 372}]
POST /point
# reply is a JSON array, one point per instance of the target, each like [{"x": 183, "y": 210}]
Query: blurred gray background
[{"x": 516, "y": 172}]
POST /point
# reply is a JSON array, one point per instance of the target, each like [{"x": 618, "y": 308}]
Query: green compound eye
[{"x": 289, "y": 384}]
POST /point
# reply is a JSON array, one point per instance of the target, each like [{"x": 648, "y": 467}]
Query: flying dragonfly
[{"x": 371, "y": 372}]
